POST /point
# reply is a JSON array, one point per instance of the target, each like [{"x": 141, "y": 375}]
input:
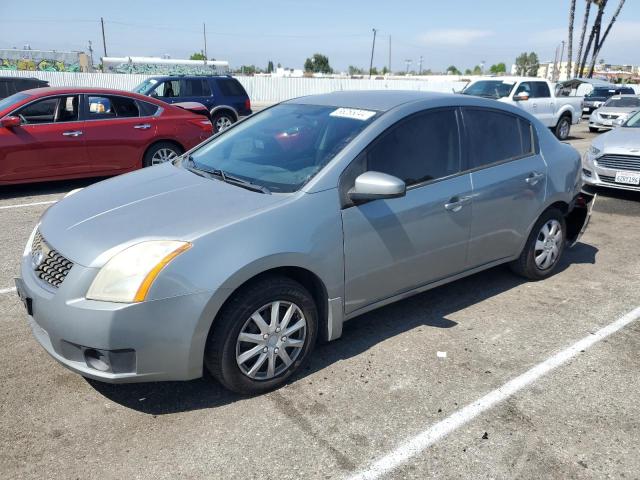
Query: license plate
[
  {"x": 629, "y": 178},
  {"x": 607, "y": 122},
  {"x": 26, "y": 301}
]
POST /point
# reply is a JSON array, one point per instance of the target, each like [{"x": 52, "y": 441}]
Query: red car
[{"x": 62, "y": 133}]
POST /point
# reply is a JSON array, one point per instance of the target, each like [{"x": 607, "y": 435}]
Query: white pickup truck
[{"x": 535, "y": 95}]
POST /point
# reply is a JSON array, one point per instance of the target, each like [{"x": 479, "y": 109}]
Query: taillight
[
  {"x": 203, "y": 123},
  {"x": 247, "y": 104}
]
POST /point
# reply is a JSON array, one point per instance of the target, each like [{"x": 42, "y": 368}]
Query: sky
[{"x": 457, "y": 32}]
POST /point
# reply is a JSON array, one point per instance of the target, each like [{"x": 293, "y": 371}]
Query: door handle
[
  {"x": 455, "y": 204},
  {"x": 534, "y": 177},
  {"x": 142, "y": 126},
  {"x": 72, "y": 133}
]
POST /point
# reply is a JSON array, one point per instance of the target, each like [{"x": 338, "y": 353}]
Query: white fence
[{"x": 260, "y": 89}]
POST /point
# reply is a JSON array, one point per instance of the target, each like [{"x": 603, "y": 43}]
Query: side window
[
  {"x": 540, "y": 90},
  {"x": 50, "y": 110},
  {"x": 168, "y": 89},
  {"x": 103, "y": 107},
  {"x": 418, "y": 149},
  {"x": 147, "y": 109},
  {"x": 495, "y": 136},
  {"x": 196, "y": 87},
  {"x": 524, "y": 87},
  {"x": 230, "y": 87}
]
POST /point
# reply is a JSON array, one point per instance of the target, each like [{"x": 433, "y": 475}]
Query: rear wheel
[
  {"x": 161, "y": 152},
  {"x": 544, "y": 247},
  {"x": 222, "y": 120},
  {"x": 563, "y": 127},
  {"x": 262, "y": 335}
]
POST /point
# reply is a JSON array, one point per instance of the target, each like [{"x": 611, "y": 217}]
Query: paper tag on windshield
[{"x": 353, "y": 113}]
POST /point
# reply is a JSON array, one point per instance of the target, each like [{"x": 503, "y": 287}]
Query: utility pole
[
  {"x": 408, "y": 62},
  {"x": 555, "y": 66},
  {"x": 389, "y": 54},
  {"x": 560, "y": 63},
  {"x": 104, "y": 41},
  {"x": 420, "y": 67},
  {"x": 373, "y": 47},
  {"x": 204, "y": 33},
  {"x": 90, "y": 55}
]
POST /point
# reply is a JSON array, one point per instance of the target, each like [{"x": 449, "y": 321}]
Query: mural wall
[{"x": 43, "y": 61}]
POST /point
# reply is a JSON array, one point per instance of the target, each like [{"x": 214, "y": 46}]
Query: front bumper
[
  {"x": 137, "y": 342},
  {"x": 604, "y": 177}
]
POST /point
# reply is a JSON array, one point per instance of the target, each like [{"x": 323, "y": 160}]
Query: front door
[
  {"x": 395, "y": 245},
  {"x": 509, "y": 179},
  {"x": 50, "y": 142}
]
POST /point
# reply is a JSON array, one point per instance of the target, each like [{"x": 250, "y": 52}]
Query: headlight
[
  {"x": 128, "y": 276},
  {"x": 594, "y": 151}
]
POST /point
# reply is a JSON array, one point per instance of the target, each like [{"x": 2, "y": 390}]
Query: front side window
[
  {"x": 104, "y": 107},
  {"x": 168, "y": 89},
  {"x": 50, "y": 110},
  {"x": 283, "y": 147},
  {"x": 419, "y": 149},
  {"x": 496, "y": 137}
]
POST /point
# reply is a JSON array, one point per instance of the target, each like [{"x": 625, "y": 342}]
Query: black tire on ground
[
  {"x": 594, "y": 129},
  {"x": 525, "y": 265},
  {"x": 161, "y": 149},
  {"x": 563, "y": 127},
  {"x": 222, "y": 121},
  {"x": 220, "y": 352}
]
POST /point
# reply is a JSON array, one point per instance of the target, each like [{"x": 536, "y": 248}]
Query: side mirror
[
  {"x": 521, "y": 97},
  {"x": 376, "y": 185},
  {"x": 153, "y": 94},
  {"x": 10, "y": 122}
]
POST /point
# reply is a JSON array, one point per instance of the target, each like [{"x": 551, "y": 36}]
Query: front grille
[
  {"x": 607, "y": 178},
  {"x": 620, "y": 162},
  {"x": 49, "y": 265},
  {"x": 609, "y": 116}
]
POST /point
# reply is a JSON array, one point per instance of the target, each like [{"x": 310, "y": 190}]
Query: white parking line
[
  {"x": 428, "y": 437},
  {"x": 20, "y": 205},
  {"x": 8, "y": 290}
]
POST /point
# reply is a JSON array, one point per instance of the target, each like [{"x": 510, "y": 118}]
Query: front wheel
[
  {"x": 262, "y": 335},
  {"x": 544, "y": 247},
  {"x": 563, "y": 128}
]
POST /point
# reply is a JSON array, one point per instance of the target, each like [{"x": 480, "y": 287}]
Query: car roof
[
  {"x": 44, "y": 91},
  {"x": 379, "y": 100},
  {"x": 166, "y": 77}
]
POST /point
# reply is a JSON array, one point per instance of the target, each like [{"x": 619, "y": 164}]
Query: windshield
[
  {"x": 283, "y": 147},
  {"x": 12, "y": 100},
  {"x": 490, "y": 88},
  {"x": 623, "y": 102},
  {"x": 634, "y": 121},
  {"x": 145, "y": 86}
]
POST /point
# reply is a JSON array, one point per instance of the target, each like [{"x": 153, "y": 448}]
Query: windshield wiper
[{"x": 225, "y": 177}]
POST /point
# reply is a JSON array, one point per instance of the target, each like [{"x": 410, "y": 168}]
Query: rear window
[
  {"x": 496, "y": 137},
  {"x": 230, "y": 87},
  {"x": 147, "y": 109}
]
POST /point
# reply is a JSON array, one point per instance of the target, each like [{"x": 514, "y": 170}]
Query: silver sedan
[
  {"x": 240, "y": 255},
  {"x": 613, "y": 160},
  {"x": 616, "y": 108}
]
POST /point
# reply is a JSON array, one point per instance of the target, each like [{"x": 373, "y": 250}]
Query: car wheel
[
  {"x": 594, "y": 130},
  {"x": 160, "y": 153},
  {"x": 544, "y": 247},
  {"x": 221, "y": 121},
  {"x": 563, "y": 128},
  {"x": 263, "y": 334}
]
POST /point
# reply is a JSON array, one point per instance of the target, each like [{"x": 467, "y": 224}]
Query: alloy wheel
[
  {"x": 223, "y": 123},
  {"x": 548, "y": 244},
  {"x": 163, "y": 155},
  {"x": 271, "y": 340}
]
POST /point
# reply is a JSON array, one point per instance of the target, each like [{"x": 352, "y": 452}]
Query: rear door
[
  {"x": 117, "y": 132},
  {"x": 509, "y": 182},
  {"x": 49, "y": 143},
  {"x": 543, "y": 103},
  {"x": 395, "y": 245},
  {"x": 196, "y": 90}
]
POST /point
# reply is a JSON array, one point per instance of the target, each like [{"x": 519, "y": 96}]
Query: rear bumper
[{"x": 138, "y": 342}]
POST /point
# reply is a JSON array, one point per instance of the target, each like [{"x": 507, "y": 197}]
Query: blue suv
[{"x": 224, "y": 97}]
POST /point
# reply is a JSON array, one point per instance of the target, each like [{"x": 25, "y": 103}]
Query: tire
[
  {"x": 526, "y": 265},
  {"x": 563, "y": 127},
  {"x": 594, "y": 129},
  {"x": 161, "y": 152},
  {"x": 221, "y": 121},
  {"x": 224, "y": 349}
]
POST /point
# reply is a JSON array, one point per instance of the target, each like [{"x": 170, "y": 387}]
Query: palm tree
[
  {"x": 595, "y": 32},
  {"x": 572, "y": 14},
  {"x": 598, "y": 45},
  {"x": 584, "y": 32}
]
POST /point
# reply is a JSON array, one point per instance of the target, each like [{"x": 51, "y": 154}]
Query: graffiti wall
[{"x": 43, "y": 61}]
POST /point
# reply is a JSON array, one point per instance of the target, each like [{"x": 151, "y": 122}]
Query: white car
[{"x": 535, "y": 95}]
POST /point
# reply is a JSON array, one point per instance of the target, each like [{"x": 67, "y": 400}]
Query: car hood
[
  {"x": 163, "y": 202},
  {"x": 616, "y": 110},
  {"x": 621, "y": 140}
]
